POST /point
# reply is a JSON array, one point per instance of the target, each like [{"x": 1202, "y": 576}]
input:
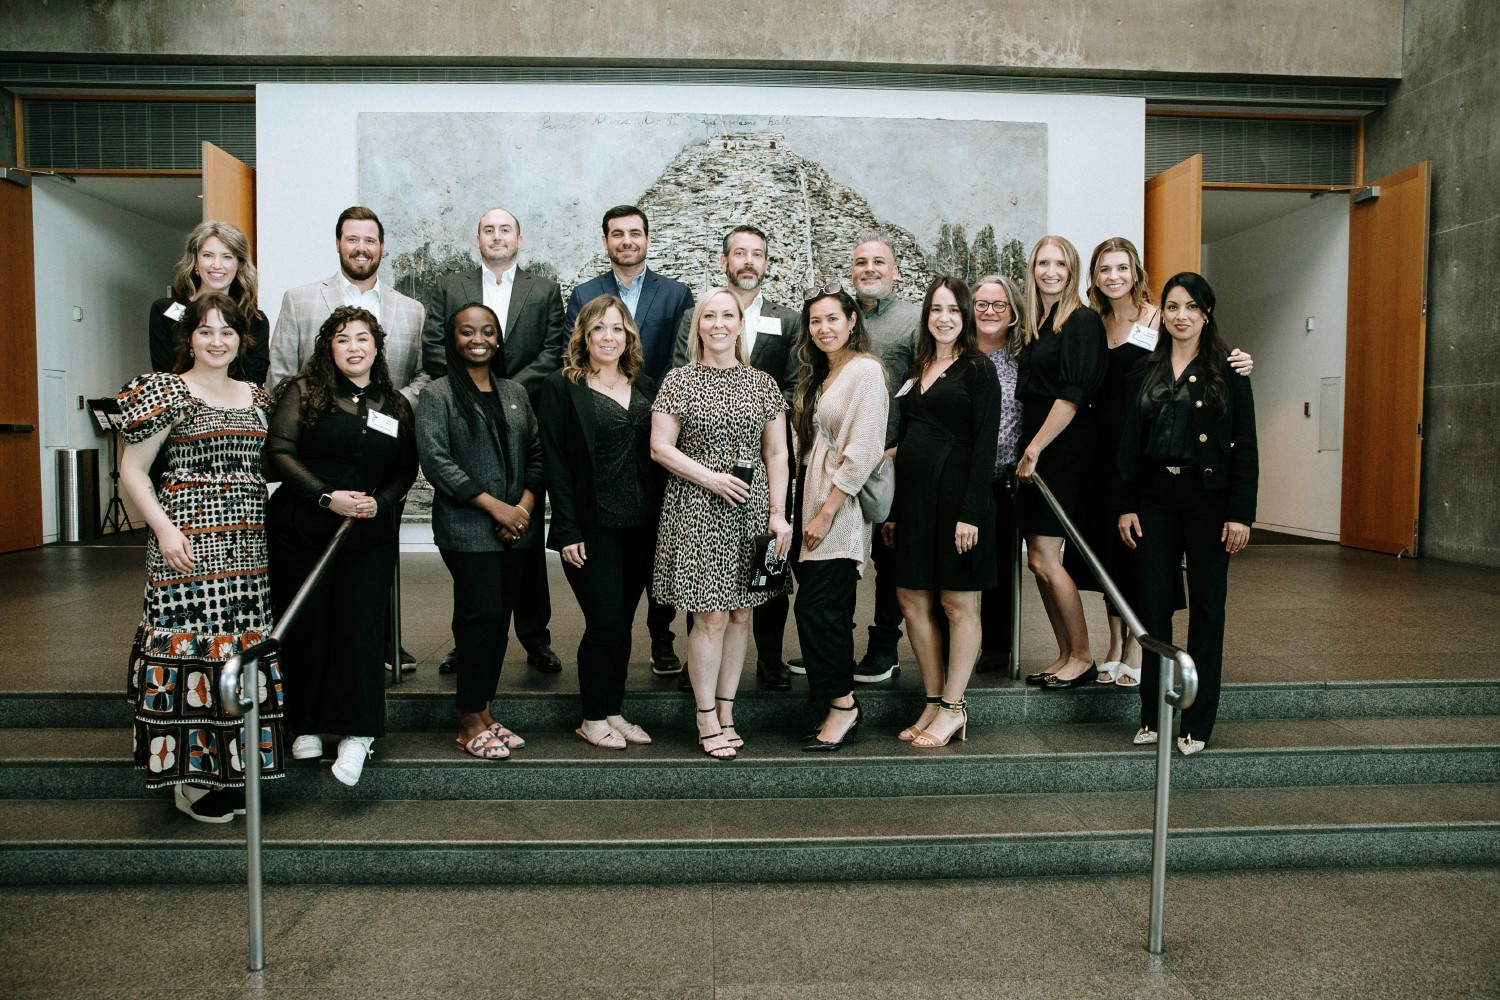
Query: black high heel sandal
[
  {"x": 735, "y": 740},
  {"x": 716, "y": 752},
  {"x": 819, "y": 745}
]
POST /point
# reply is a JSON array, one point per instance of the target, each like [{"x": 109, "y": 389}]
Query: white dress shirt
[
  {"x": 497, "y": 292},
  {"x": 354, "y": 297},
  {"x": 752, "y": 318}
]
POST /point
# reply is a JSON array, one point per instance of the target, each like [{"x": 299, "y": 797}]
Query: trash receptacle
[{"x": 77, "y": 494}]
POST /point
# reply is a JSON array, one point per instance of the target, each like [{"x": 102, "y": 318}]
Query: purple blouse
[{"x": 1010, "y": 410}]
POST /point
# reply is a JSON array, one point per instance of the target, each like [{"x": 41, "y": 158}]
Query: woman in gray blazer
[{"x": 478, "y": 442}]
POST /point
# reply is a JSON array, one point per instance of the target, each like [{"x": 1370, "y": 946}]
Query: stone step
[
  {"x": 552, "y": 703},
  {"x": 716, "y": 840},
  {"x": 41, "y": 764}
]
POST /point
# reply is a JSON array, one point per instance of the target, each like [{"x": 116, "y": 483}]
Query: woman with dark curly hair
[
  {"x": 206, "y": 593},
  {"x": 342, "y": 445}
]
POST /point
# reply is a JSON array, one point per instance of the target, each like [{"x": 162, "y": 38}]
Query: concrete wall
[
  {"x": 1353, "y": 39},
  {"x": 1445, "y": 111},
  {"x": 112, "y": 264},
  {"x": 1269, "y": 280}
]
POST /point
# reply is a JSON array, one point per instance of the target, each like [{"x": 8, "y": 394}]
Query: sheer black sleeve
[{"x": 281, "y": 458}]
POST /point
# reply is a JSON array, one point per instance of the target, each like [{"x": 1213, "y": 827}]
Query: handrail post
[
  {"x": 395, "y": 606},
  {"x": 1015, "y": 602},
  {"x": 1163, "y": 796},
  {"x": 250, "y": 748}
]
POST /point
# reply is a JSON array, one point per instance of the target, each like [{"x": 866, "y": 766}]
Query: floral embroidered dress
[{"x": 193, "y": 622}]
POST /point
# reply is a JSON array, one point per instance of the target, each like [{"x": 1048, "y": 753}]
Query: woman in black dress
[
  {"x": 941, "y": 521},
  {"x": 342, "y": 445},
  {"x": 216, "y": 259},
  {"x": 606, "y": 498},
  {"x": 1190, "y": 468},
  {"x": 1120, "y": 292},
  {"x": 1062, "y": 366}
]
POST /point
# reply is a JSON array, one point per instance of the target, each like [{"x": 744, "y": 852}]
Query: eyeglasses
[
  {"x": 996, "y": 307},
  {"x": 808, "y": 294}
]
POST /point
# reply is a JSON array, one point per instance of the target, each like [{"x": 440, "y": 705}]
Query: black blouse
[
  {"x": 619, "y": 434},
  {"x": 1069, "y": 365},
  {"x": 341, "y": 451},
  {"x": 1166, "y": 417}
]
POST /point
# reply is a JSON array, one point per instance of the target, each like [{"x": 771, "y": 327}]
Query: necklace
[
  {"x": 944, "y": 357},
  {"x": 611, "y": 386}
]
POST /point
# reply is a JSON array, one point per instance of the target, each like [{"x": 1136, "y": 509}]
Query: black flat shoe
[
  {"x": 1039, "y": 679},
  {"x": 818, "y": 745},
  {"x": 1087, "y": 677}
]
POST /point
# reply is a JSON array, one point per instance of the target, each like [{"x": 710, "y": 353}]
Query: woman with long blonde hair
[{"x": 215, "y": 259}]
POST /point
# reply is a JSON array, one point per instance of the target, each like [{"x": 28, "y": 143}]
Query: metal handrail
[
  {"x": 236, "y": 701},
  {"x": 1168, "y": 697}
]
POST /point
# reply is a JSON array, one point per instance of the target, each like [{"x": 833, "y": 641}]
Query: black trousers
[
  {"x": 333, "y": 656},
  {"x": 825, "y": 624},
  {"x": 485, "y": 585},
  {"x": 533, "y": 602},
  {"x": 1178, "y": 516},
  {"x": 994, "y": 604},
  {"x": 886, "y": 632},
  {"x": 608, "y": 588}
]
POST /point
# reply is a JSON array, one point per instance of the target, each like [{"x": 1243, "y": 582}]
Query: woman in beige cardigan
[{"x": 840, "y": 411}]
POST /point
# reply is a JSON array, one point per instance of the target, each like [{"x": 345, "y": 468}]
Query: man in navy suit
[
  {"x": 770, "y": 337},
  {"x": 530, "y": 311},
  {"x": 657, "y": 304}
]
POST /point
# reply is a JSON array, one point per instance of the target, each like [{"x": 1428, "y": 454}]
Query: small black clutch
[{"x": 767, "y": 569}]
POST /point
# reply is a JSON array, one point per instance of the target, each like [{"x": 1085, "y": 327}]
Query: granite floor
[
  {"x": 1412, "y": 933},
  {"x": 1296, "y": 613}
]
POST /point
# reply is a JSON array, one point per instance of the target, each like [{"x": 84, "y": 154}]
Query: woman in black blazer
[
  {"x": 216, "y": 259},
  {"x": 1189, "y": 468},
  {"x": 606, "y": 498}
]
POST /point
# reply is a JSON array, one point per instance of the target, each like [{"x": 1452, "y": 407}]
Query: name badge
[
  {"x": 382, "y": 423},
  {"x": 1142, "y": 336},
  {"x": 905, "y": 388},
  {"x": 174, "y": 311},
  {"x": 768, "y": 324}
]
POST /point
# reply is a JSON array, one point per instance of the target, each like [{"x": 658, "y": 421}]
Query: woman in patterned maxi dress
[
  {"x": 709, "y": 416},
  {"x": 206, "y": 585}
]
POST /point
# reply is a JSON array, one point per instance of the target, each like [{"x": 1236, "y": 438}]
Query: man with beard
[
  {"x": 657, "y": 304},
  {"x": 530, "y": 311},
  {"x": 770, "y": 338},
  {"x": 360, "y": 240}
]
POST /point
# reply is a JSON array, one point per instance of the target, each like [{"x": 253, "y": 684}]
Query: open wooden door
[
  {"x": 20, "y": 441},
  {"x": 1385, "y": 363},
  {"x": 229, "y": 191},
  {"x": 1174, "y": 222}
]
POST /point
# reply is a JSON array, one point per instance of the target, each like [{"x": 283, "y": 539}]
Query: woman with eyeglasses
[
  {"x": 1190, "y": 469},
  {"x": 839, "y": 407},
  {"x": 998, "y": 321},
  {"x": 941, "y": 523}
]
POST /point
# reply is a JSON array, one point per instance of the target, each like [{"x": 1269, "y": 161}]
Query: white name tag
[
  {"x": 1142, "y": 336},
  {"x": 174, "y": 311},
  {"x": 905, "y": 388},
  {"x": 382, "y": 423},
  {"x": 768, "y": 324}
]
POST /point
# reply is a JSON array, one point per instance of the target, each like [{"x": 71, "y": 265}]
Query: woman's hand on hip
[
  {"x": 176, "y": 551},
  {"x": 1235, "y": 536},
  {"x": 965, "y": 537},
  {"x": 1130, "y": 529},
  {"x": 574, "y": 555},
  {"x": 783, "y": 532},
  {"x": 728, "y": 487},
  {"x": 816, "y": 531}
]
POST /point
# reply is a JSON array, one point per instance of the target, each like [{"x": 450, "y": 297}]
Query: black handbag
[{"x": 767, "y": 569}]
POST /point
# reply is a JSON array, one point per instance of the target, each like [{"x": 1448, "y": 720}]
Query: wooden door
[
  {"x": 1384, "y": 364},
  {"x": 1174, "y": 222},
  {"x": 229, "y": 191},
  {"x": 20, "y": 447}
]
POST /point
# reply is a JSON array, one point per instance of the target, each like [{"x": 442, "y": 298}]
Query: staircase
[{"x": 1327, "y": 774}]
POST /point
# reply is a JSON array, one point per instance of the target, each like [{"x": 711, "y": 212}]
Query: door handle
[{"x": 17, "y": 428}]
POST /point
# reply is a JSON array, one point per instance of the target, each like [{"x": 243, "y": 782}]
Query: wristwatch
[{"x": 325, "y": 501}]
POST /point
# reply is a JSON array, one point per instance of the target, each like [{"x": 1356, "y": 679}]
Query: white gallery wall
[
  {"x": 307, "y": 168},
  {"x": 1269, "y": 281},
  {"x": 110, "y": 264}
]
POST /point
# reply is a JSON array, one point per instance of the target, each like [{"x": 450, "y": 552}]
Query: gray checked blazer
[
  {"x": 303, "y": 310},
  {"x": 461, "y": 464}
]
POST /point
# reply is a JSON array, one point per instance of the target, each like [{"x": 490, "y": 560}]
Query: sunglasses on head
[{"x": 808, "y": 294}]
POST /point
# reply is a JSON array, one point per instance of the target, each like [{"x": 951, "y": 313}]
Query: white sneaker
[
  {"x": 307, "y": 747},
  {"x": 353, "y": 752}
]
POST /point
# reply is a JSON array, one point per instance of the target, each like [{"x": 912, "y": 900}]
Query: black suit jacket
[
  {"x": 775, "y": 355},
  {"x": 567, "y": 423},
  {"x": 659, "y": 312},
  {"x": 533, "y": 325}
]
